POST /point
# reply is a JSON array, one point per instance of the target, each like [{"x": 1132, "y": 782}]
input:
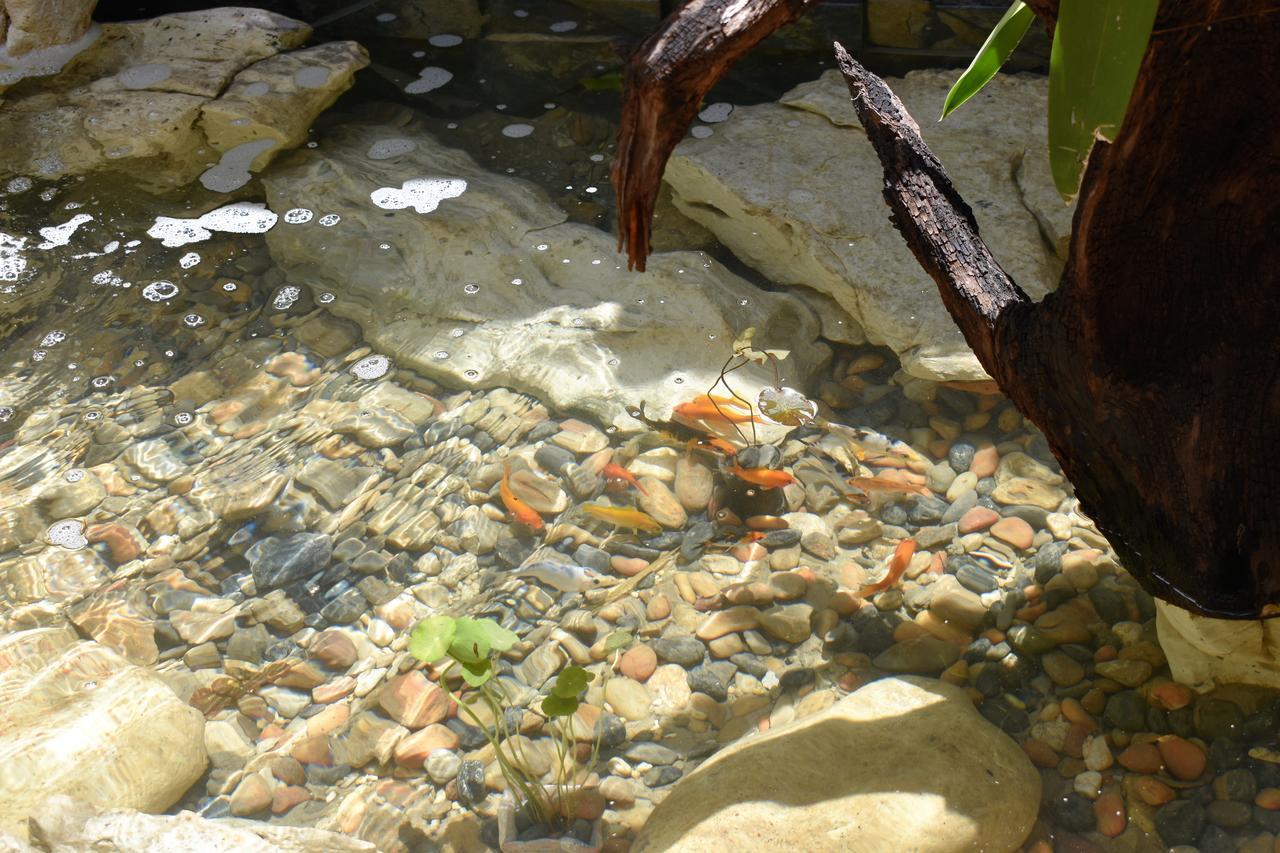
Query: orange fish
[
  {"x": 711, "y": 443},
  {"x": 520, "y": 511},
  {"x": 765, "y": 478},
  {"x": 885, "y": 484},
  {"x": 705, "y": 410},
  {"x": 620, "y": 516},
  {"x": 617, "y": 472},
  {"x": 711, "y": 399},
  {"x": 898, "y": 565}
]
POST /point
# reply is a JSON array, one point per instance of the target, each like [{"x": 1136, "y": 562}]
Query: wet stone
[
  {"x": 1073, "y": 812},
  {"x": 960, "y": 456},
  {"x": 470, "y": 781},
  {"x": 926, "y": 511},
  {"x": 1048, "y": 561},
  {"x": 973, "y": 575},
  {"x": 686, "y": 651},
  {"x": 1217, "y": 718},
  {"x": 1126, "y": 710},
  {"x": 276, "y": 561},
  {"x": 703, "y": 679},
  {"x": 1029, "y": 640},
  {"x": 554, "y": 459},
  {"x": 345, "y": 609},
  {"x": 1238, "y": 784}
]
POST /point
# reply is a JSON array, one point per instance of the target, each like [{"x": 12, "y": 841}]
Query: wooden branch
[
  {"x": 1046, "y": 11},
  {"x": 665, "y": 81},
  {"x": 935, "y": 221}
]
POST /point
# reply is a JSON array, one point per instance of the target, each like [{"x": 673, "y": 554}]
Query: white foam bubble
[
  {"x": 243, "y": 217},
  {"x": 52, "y": 339},
  {"x": 17, "y": 185},
  {"x": 429, "y": 79},
  {"x": 59, "y": 235},
  {"x": 68, "y": 533},
  {"x": 563, "y": 26},
  {"x": 385, "y": 149},
  {"x": 422, "y": 194},
  {"x": 12, "y": 263},
  {"x": 329, "y": 220},
  {"x": 232, "y": 171},
  {"x": 716, "y": 112},
  {"x": 189, "y": 260},
  {"x": 144, "y": 76},
  {"x": 159, "y": 291},
  {"x": 312, "y": 77},
  {"x": 445, "y": 40},
  {"x": 297, "y": 216},
  {"x": 285, "y": 297},
  {"x": 517, "y": 131},
  {"x": 371, "y": 367}
]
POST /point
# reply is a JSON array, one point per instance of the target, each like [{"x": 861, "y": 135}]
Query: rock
[
  {"x": 415, "y": 749},
  {"x": 1021, "y": 490},
  {"x": 413, "y": 701},
  {"x": 546, "y": 318},
  {"x": 802, "y": 218},
  {"x": 955, "y": 605},
  {"x": 136, "y": 744},
  {"x": 1130, "y": 673},
  {"x": 661, "y": 503},
  {"x": 694, "y": 483},
  {"x": 1205, "y": 652},
  {"x": 976, "y": 519},
  {"x": 139, "y": 99},
  {"x": 65, "y": 824},
  {"x": 926, "y": 654},
  {"x": 334, "y": 649},
  {"x": 279, "y": 560},
  {"x": 251, "y": 796},
  {"x": 863, "y": 774},
  {"x": 787, "y": 622},
  {"x": 442, "y": 765},
  {"x": 639, "y": 662},
  {"x": 1183, "y": 759},
  {"x": 35, "y": 25},
  {"x": 1062, "y": 669},
  {"x": 686, "y": 651},
  {"x": 628, "y": 698},
  {"x": 1015, "y": 531},
  {"x": 1180, "y": 822}
]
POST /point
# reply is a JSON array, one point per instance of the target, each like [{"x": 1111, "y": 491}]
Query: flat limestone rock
[
  {"x": 904, "y": 763},
  {"x": 477, "y": 280},
  {"x": 795, "y": 190},
  {"x": 65, "y": 824},
  {"x": 78, "y": 719}
]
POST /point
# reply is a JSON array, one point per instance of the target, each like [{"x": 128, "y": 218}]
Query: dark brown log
[
  {"x": 665, "y": 81},
  {"x": 1154, "y": 369}
]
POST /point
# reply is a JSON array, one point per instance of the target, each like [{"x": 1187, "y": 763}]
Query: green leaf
[
  {"x": 476, "y": 673},
  {"x": 559, "y": 706},
  {"x": 1098, "y": 47},
  {"x": 475, "y": 639},
  {"x": 571, "y": 681},
  {"x": 1008, "y": 31},
  {"x": 617, "y": 640},
  {"x": 431, "y": 638}
]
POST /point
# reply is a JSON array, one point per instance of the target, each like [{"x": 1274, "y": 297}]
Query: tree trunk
[{"x": 1154, "y": 369}]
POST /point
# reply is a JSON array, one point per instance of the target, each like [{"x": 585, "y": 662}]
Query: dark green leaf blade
[
  {"x": 476, "y": 673},
  {"x": 1004, "y": 37},
  {"x": 571, "y": 681},
  {"x": 431, "y": 638},
  {"x": 1098, "y": 47},
  {"x": 559, "y": 706}
]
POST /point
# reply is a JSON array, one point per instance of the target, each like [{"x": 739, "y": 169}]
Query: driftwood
[{"x": 1154, "y": 369}]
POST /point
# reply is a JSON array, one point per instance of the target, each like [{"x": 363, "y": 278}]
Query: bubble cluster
[
  {"x": 325, "y": 298},
  {"x": 182, "y": 418},
  {"x": 285, "y": 297},
  {"x": 297, "y": 216},
  {"x": 6, "y": 413},
  {"x": 75, "y": 475},
  {"x": 229, "y": 286},
  {"x": 160, "y": 291},
  {"x": 102, "y": 381},
  {"x": 471, "y": 288},
  {"x": 371, "y": 367},
  {"x": 189, "y": 260},
  {"x": 193, "y": 320},
  {"x": 329, "y": 220},
  {"x": 69, "y": 534},
  {"x": 54, "y": 338}
]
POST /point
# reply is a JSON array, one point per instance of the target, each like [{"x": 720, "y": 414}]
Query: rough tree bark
[{"x": 1154, "y": 369}]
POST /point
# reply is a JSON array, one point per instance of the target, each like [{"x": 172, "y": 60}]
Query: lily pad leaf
[
  {"x": 571, "y": 681},
  {"x": 476, "y": 673},
  {"x": 559, "y": 706},
  {"x": 431, "y": 638},
  {"x": 1008, "y": 31},
  {"x": 475, "y": 639},
  {"x": 617, "y": 640}
]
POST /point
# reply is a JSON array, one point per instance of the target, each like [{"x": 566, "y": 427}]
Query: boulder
[
  {"x": 477, "y": 280},
  {"x": 66, "y": 824},
  {"x": 794, "y": 189},
  {"x": 169, "y": 98},
  {"x": 78, "y": 719},
  {"x": 904, "y": 763},
  {"x": 33, "y": 25},
  {"x": 1205, "y": 653}
]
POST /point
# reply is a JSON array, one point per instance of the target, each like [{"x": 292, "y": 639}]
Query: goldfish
[
  {"x": 617, "y": 472},
  {"x": 565, "y": 577},
  {"x": 620, "y": 516},
  {"x": 897, "y": 565},
  {"x": 671, "y": 430},
  {"x": 885, "y": 484},
  {"x": 765, "y": 478},
  {"x": 712, "y": 399},
  {"x": 711, "y": 443},
  {"x": 520, "y": 511},
  {"x": 706, "y": 410}
]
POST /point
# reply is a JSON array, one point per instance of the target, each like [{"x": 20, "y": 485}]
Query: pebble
[
  {"x": 977, "y": 519},
  {"x": 639, "y": 662},
  {"x": 1184, "y": 760},
  {"x": 1130, "y": 673},
  {"x": 251, "y": 796},
  {"x": 413, "y": 701},
  {"x": 1062, "y": 669},
  {"x": 628, "y": 698},
  {"x": 1180, "y": 822},
  {"x": 442, "y": 765},
  {"x": 661, "y": 503}
]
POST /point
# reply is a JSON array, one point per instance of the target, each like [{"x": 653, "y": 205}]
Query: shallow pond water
[{"x": 249, "y": 438}]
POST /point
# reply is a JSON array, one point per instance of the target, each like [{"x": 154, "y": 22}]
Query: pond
[{"x": 289, "y": 367}]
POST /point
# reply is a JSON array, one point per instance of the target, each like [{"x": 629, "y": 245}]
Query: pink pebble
[
  {"x": 978, "y": 518},
  {"x": 628, "y": 566}
]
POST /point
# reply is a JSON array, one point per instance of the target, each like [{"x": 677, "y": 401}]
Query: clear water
[{"x": 176, "y": 400}]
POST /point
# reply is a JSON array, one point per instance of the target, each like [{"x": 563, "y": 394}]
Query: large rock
[
  {"x": 477, "y": 279},
  {"x": 794, "y": 189},
  {"x": 32, "y": 25},
  {"x": 65, "y": 824},
  {"x": 904, "y": 763},
  {"x": 1206, "y": 653},
  {"x": 168, "y": 98},
  {"x": 77, "y": 719}
]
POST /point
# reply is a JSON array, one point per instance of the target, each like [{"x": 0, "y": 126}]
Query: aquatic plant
[{"x": 471, "y": 647}]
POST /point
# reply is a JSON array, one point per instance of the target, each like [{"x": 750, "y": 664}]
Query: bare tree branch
[
  {"x": 935, "y": 221},
  {"x": 665, "y": 81}
]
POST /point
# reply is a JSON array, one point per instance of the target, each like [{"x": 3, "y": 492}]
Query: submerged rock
[
  {"x": 135, "y": 744},
  {"x": 518, "y": 297},
  {"x": 902, "y": 764},
  {"x": 794, "y": 189}
]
